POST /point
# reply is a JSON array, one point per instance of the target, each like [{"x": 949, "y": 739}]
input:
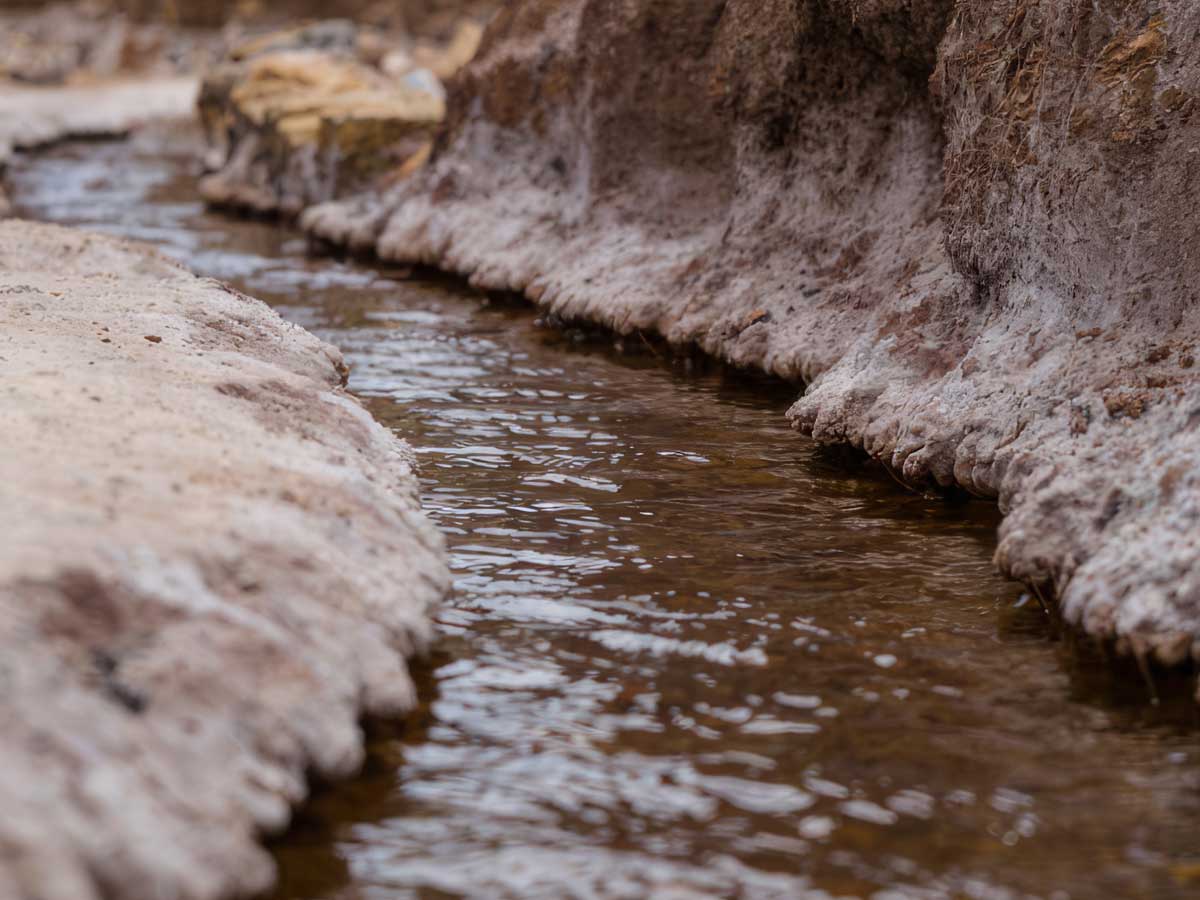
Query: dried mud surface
[
  {"x": 213, "y": 563},
  {"x": 970, "y": 229}
]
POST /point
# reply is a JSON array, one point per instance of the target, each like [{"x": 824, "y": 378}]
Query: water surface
[{"x": 690, "y": 654}]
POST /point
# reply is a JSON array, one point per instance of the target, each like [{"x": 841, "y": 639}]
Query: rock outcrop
[
  {"x": 319, "y": 112},
  {"x": 299, "y": 118},
  {"x": 213, "y": 563},
  {"x": 970, "y": 228}
]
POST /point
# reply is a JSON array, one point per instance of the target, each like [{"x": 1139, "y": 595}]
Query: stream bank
[
  {"x": 968, "y": 227},
  {"x": 214, "y": 562},
  {"x": 690, "y": 653}
]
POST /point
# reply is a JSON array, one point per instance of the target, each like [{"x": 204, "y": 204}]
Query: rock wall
[
  {"x": 213, "y": 563},
  {"x": 969, "y": 228}
]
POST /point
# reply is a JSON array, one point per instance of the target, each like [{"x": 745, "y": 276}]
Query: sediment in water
[
  {"x": 971, "y": 230},
  {"x": 214, "y": 562}
]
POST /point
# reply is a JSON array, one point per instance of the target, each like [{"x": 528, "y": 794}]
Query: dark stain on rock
[{"x": 115, "y": 689}]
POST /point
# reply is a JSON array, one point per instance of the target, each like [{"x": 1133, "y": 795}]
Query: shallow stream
[{"x": 690, "y": 653}]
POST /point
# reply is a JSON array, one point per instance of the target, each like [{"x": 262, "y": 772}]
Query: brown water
[{"x": 690, "y": 654}]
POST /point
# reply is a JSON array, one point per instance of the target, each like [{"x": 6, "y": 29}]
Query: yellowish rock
[{"x": 304, "y": 116}]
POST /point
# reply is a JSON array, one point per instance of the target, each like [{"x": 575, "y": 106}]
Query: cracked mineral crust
[
  {"x": 971, "y": 229},
  {"x": 214, "y": 562}
]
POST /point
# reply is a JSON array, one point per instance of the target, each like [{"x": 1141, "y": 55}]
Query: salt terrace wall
[{"x": 970, "y": 228}]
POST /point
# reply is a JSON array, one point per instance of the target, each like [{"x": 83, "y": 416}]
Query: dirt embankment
[
  {"x": 971, "y": 229},
  {"x": 213, "y": 563}
]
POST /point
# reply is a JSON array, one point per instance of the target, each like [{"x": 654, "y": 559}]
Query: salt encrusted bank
[
  {"x": 213, "y": 563},
  {"x": 970, "y": 228}
]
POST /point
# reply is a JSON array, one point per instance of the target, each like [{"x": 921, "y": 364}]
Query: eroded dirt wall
[{"x": 970, "y": 228}]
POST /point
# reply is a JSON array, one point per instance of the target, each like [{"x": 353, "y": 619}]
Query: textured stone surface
[
  {"x": 305, "y": 116},
  {"x": 213, "y": 563},
  {"x": 970, "y": 228}
]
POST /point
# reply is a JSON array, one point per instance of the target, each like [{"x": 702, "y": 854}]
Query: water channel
[{"x": 690, "y": 654}]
